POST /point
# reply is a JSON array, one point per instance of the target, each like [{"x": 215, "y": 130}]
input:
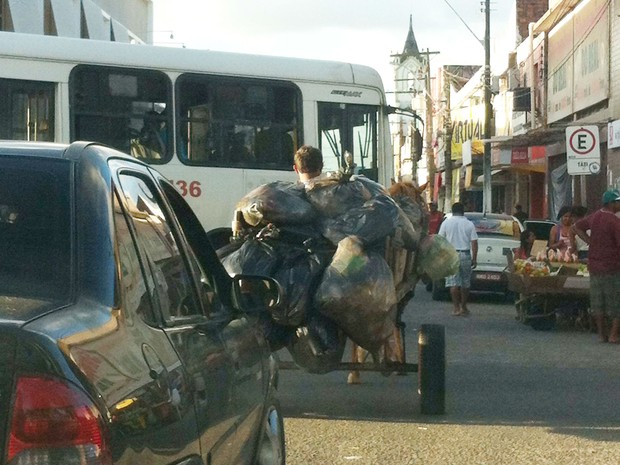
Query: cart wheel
[{"x": 432, "y": 369}]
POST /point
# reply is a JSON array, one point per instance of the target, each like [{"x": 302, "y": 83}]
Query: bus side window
[
  {"x": 238, "y": 122},
  {"x": 123, "y": 108},
  {"x": 27, "y": 110}
]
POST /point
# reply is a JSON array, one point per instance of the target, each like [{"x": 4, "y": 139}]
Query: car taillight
[{"x": 55, "y": 423}]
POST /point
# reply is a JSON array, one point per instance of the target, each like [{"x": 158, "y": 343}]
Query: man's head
[
  {"x": 579, "y": 211},
  {"x": 432, "y": 206},
  {"x": 518, "y": 208},
  {"x": 308, "y": 162},
  {"x": 611, "y": 200},
  {"x": 458, "y": 209}
]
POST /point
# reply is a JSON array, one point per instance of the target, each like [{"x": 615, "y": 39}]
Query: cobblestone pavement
[{"x": 514, "y": 396}]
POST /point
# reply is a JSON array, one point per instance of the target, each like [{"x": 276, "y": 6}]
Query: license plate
[{"x": 488, "y": 276}]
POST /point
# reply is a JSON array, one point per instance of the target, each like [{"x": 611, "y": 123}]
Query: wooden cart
[
  {"x": 540, "y": 299},
  {"x": 431, "y": 364}
]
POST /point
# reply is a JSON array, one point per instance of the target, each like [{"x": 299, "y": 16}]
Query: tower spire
[{"x": 411, "y": 46}]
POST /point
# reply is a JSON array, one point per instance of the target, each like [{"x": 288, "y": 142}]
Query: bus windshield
[{"x": 349, "y": 137}]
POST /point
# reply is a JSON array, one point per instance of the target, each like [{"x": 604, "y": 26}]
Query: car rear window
[
  {"x": 496, "y": 226},
  {"x": 35, "y": 232}
]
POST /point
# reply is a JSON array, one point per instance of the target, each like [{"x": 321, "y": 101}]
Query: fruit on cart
[
  {"x": 531, "y": 268},
  {"x": 583, "y": 270}
]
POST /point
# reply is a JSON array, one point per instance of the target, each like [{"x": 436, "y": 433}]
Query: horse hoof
[{"x": 354, "y": 378}]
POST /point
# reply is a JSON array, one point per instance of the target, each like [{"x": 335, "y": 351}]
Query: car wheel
[
  {"x": 439, "y": 290},
  {"x": 271, "y": 448}
]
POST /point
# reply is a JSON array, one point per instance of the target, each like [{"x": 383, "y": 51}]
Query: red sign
[
  {"x": 538, "y": 152},
  {"x": 519, "y": 155}
]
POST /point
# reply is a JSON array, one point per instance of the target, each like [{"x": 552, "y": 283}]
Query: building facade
[
  {"x": 126, "y": 21},
  {"x": 560, "y": 100}
]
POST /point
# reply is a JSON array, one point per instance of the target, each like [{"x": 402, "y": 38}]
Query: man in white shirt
[{"x": 461, "y": 233}]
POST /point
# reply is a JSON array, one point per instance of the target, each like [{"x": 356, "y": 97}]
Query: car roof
[
  {"x": 41, "y": 149},
  {"x": 493, "y": 216},
  {"x": 71, "y": 151},
  {"x": 491, "y": 223}
]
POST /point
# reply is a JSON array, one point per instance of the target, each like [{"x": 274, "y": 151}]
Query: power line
[{"x": 481, "y": 42}]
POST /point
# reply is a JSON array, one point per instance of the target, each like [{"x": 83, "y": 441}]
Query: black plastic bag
[
  {"x": 357, "y": 292},
  {"x": 371, "y": 222},
  {"x": 277, "y": 202},
  {"x": 254, "y": 257},
  {"x": 416, "y": 212},
  {"x": 318, "y": 346},
  {"x": 277, "y": 336},
  {"x": 337, "y": 194},
  {"x": 298, "y": 273}
]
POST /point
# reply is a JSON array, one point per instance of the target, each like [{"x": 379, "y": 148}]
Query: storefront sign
[
  {"x": 583, "y": 153},
  {"x": 519, "y": 155},
  {"x": 613, "y": 134}
]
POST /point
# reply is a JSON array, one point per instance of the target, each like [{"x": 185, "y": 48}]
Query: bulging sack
[
  {"x": 357, "y": 292},
  {"x": 437, "y": 258},
  {"x": 337, "y": 194},
  {"x": 276, "y": 202},
  {"x": 371, "y": 222}
]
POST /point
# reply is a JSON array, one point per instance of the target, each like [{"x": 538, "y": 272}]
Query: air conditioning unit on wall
[{"x": 521, "y": 99}]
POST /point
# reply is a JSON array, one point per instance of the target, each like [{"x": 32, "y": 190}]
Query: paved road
[{"x": 514, "y": 396}]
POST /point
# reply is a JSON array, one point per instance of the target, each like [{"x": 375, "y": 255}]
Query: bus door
[{"x": 28, "y": 113}]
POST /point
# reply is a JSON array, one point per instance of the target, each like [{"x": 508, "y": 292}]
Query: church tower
[{"x": 409, "y": 85}]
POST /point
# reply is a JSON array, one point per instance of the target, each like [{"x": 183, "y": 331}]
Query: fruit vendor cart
[{"x": 547, "y": 290}]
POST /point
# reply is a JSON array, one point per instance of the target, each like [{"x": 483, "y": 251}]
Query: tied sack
[
  {"x": 276, "y": 202},
  {"x": 437, "y": 258},
  {"x": 357, "y": 292}
]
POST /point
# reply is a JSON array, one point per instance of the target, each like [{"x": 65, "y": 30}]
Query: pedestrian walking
[
  {"x": 461, "y": 233},
  {"x": 604, "y": 264},
  {"x": 435, "y": 218}
]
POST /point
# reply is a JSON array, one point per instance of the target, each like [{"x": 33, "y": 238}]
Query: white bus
[{"x": 216, "y": 124}]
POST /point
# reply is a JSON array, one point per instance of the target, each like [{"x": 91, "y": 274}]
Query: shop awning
[
  {"x": 480, "y": 179},
  {"x": 537, "y": 136},
  {"x": 551, "y": 18}
]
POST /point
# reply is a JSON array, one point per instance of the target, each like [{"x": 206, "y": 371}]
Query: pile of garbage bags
[{"x": 324, "y": 242}]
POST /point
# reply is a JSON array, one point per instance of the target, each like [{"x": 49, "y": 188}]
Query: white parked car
[{"x": 497, "y": 234}]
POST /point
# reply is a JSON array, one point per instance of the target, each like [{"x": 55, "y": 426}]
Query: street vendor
[
  {"x": 604, "y": 264},
  {"x": 559, "y": 236},
  {"x": 527, "y": 239}
]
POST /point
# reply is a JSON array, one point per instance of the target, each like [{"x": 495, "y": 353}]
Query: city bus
[{"x": 216, "y": 124}]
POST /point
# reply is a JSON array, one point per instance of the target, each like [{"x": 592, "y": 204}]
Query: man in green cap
[{"x": 604, "y": 264}]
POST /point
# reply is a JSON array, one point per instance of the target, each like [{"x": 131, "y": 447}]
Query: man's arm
[
  {"x": 474, "y": 253},
  {"x": 579, "y": 229}
]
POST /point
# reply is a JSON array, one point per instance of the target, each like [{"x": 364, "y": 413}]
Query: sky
[{"x": 357, "y": 31}]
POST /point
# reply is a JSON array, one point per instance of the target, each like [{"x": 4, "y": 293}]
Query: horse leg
[{"x": 356, "y": 357}]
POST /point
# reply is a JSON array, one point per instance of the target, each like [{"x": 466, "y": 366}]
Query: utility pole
[
  {"x": 430, "y": 155},
  {"x": 447, "y": 126},
  {"x": 487, "y": 206}
]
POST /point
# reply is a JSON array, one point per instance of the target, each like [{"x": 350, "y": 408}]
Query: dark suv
[{"x": 122, "y": 338}]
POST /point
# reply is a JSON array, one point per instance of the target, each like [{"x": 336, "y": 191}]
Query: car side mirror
[{"x": 252, "y": 293}]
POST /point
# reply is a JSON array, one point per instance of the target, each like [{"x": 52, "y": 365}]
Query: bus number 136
[{"x": 191, "y": 188}]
